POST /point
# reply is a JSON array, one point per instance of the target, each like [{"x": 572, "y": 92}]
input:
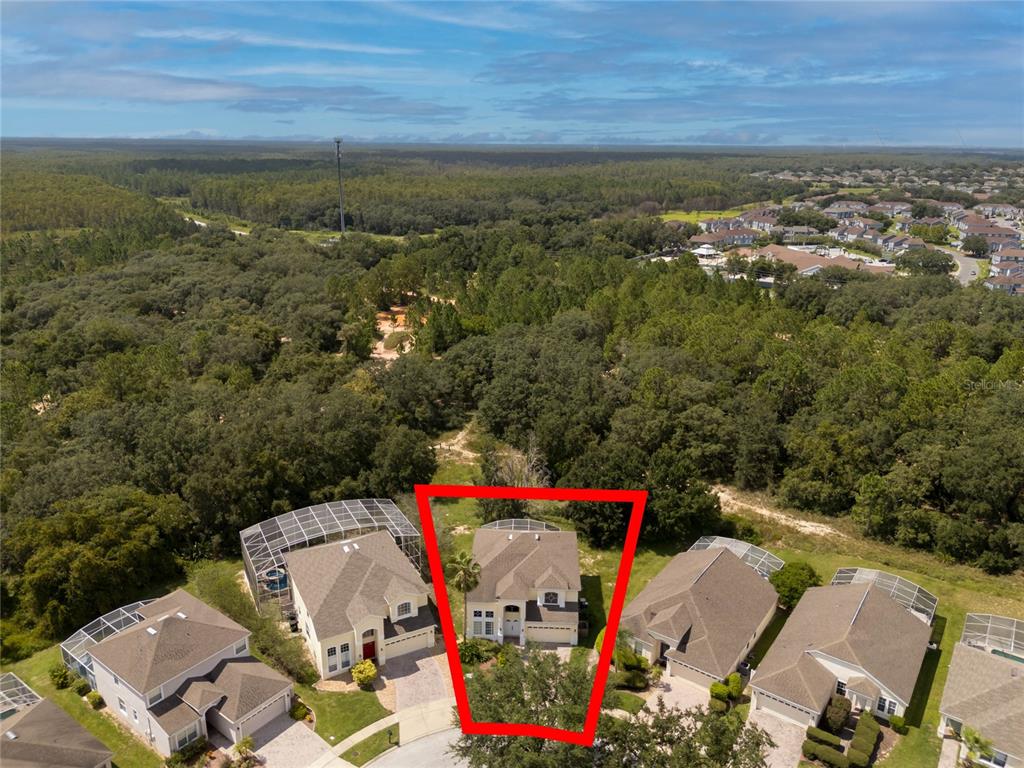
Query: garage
[
  {"x": 264, "y": 714},
  {"x": 547, "y": 633},
  {"x": 691, "y": 675},
  {"x": 413, "y": 641},
  {"x": 767, "y": 703}
]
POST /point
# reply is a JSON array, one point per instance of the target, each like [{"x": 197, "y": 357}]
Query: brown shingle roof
[
  {"x": 986, "y": 692},
  {"x": 167, "y": 644},
  {"x": 516, "y": 565},
  {"x": 708, "y": 603},
  {"x": 247, "y": 684},
  {"x": 855, "y": 623},
  {"x": 47, "y": 736},
  {"x": 340, "y": 588}
]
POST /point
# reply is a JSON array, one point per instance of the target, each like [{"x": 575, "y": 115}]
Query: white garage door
[
  {"x": 550, "y": 634},
  {"x": 408, "y": 643},
  {"x": 262, "y": 716},
  {"x": 784, "y": 710},
  {"x": 690, "y": 675}
]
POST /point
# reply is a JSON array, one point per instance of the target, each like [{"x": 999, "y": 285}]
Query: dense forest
[{"x": 191, "y": 382}]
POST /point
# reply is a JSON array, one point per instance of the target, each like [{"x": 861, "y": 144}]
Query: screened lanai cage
[
  {"x": 520, "y": 524},
  {"x": 761, "y": 560},
  {"x": 75, "y": 650},
  {"x": 918, "y": 601},
  {"x": 14, "y": 695},
  {"x": 265, "y": 544},
  {"x": 998, "y": 634}
]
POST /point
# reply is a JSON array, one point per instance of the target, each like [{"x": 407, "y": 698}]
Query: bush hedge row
[
  {"x": 825, "y": 754},
  {"x": 823, "y": 737}
]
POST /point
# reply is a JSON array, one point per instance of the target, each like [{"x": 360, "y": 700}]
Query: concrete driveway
[
  {"x": 678, "y": 693},
  {"x": 419, "y": 677},
  {"x": 428, "y": 752},
  {"x": 788, "y": 738},
  {"x": 286, "y": 743}
]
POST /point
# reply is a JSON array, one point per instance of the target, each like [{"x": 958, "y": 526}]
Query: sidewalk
[{"x": 414, "y": 723}]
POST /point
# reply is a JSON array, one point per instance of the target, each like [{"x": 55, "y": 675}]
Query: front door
[
  {"x": 511, "y": 626},
  {"x": 370, "y": 649}
]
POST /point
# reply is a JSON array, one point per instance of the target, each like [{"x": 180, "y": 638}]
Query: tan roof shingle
[{"x": 986, "y": 692}]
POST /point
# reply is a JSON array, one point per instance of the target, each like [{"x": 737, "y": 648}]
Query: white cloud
[{"x": 206, "y": 35}]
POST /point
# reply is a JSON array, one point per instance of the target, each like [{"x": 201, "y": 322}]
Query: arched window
[{"x": 368, "y": 633}]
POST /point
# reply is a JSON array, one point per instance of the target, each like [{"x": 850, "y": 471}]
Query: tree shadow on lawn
[
  {"x": 592, "y": 590},
  {"x": 923, "y": 689}
]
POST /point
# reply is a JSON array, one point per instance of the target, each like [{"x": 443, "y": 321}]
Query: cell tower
[{"x": 341, "y": 192}]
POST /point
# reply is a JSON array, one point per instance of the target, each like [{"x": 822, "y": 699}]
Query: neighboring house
[
  {"x": 985, "y": 687},
  {"x": 359, "y": 599},
  {"x": 997, "y": 209},
  {"x": 890, "y": 208},
  {"x": 528, "y": 588},
  {"x": 182, "y": 668},
  {"x": 845, "y": 209},
  {"x": 852, "y": 639},
  {"x": 996, "y": 237},
  {"x": 723, "y": 237},
  {"x": 1012, "y": 283},
  {"x": 701, "y": 615},
  {"x": 1007, "y": 256},
  {"x": 36, "y": 733}
]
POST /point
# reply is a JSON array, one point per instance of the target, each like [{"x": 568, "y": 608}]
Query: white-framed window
[
  {"x": 121, "y": 706},
  {"x": 550, "y": 598},
  {"x": 489, "y": 614},
  {"x": 478, "y": 614},
  {"x": 478, "y": 627},
  {"x": 488, "y": 627},
  {"x": 998, "y": 759},
  {"x": 117, "y": 681},
  {"x": 332, "y": 659},
  {"x": 187, "y": 736},
  {"x": 404, "y": 609},
  {"x": 154, "y": 698},
  {"x": 840, "y": 687},
  {"x": 346, "y": 656},
  {"x": 240, "y": 648},
  {"x": 135, "y": 715},
  {"x": 891, "y": 708}
]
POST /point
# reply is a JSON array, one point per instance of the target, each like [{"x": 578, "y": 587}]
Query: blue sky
[{"x": 766, "y": 73}]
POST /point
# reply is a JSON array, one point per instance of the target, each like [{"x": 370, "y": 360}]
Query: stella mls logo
[{"x": 637, "y": 500}]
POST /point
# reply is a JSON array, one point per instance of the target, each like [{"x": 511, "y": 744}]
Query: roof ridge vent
[
  {"x": 181, "y": 615},
  {"x": 151, "y": 630},
  {"x": 860, "y": 605}
]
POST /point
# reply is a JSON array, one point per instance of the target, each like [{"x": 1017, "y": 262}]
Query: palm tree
[
  {"x": 464, "y": 574},
  {"x": 977, "y": 745}
]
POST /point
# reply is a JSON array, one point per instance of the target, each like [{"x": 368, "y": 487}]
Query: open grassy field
[{"x": 695, "y": 216}]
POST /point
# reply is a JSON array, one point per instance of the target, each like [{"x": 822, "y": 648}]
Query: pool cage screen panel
[
  {"x": 995, "y": 633},
  {"x": 15, "y": 695},
  {"x": 265, "y": 544},
  {"x": 75, "y": 650},
  {"x": 761, "y": 560},
  {"x": 520, "y": 524},
  {"x": 918, "y": 601}
]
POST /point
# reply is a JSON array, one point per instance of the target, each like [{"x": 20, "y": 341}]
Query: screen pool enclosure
[
  {"x": 761, "y": 560},
  {"x": 265, "y": 544},
  {"x": 918, "y": 601},
  {"x": 520, "y": 524},
  {"x": 75, "y": 650},
  {"x": 1000, "y": 635},
  {"x": 14, "y": 695}
]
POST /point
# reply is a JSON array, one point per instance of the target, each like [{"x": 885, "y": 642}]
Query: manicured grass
[
  {"x": 339, "y": 715},
  {"x": 129, "y": 752},
  {"x": 369, "y": 748},
  {"x": 767, "y": 637},
  {"x": 695, "y": 216},
  {"x": 629, "y": 701}
]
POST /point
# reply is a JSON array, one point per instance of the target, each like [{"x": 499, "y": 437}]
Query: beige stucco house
[
  {"x": 985, "y": 689},
  {"x": 528, "y": 589},
  {"x": 183, "y": 670},
  {"x": 701, "y": 615},
  {"x": 851, "y": 639},
  {"x": 359, "y": 599}
]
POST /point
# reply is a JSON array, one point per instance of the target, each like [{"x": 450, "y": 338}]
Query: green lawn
[
  {"x": 339, "y": 715},
  {"x": 696, "y": 216},
  {"x": 629, "y": 701},
  {"x": 369, "y": 748},
  {"x": 129, "y": 752},
  {"x": 767, "y": 637}
]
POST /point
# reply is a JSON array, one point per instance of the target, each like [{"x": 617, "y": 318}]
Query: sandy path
[{"x": 731, "y": 504}]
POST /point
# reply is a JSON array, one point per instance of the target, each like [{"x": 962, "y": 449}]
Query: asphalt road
[
  {"x": 428, "y": 752},
  {"x": 966, "y": 264}
]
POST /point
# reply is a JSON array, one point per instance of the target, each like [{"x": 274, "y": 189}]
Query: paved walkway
[
  {"x": 676, "y": 693},
  {"x": 414, "y": 723},
  {"x": 286, "y": 743},
  {"x": 950, "y": 753},
  {"x": 418, "y": 678}
]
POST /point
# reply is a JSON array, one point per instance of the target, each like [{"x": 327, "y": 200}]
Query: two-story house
[
  {"x": 701, "y": 615},
  {"x": 850, "y": 639},
  {"x": 359, "y": 599},
  {"x": 182, "y": 669},
  {"x": 528, "y": 588}
]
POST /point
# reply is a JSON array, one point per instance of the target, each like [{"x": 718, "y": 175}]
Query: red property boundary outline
[{"x": 638, "y": 499}]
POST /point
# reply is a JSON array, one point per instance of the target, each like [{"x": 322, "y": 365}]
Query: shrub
[
  {"x": 735, "y": 685},
  {"x": 94, "y": 699},
  {"x": 719, "y": 691},
  {"x": 857, "y": 758},
  {"x": 837, "y": 712},
  {"x": 864, "y": 743},
  {"x": 477, "y": 650},
  {"x": 60, "y": 676},
  {"x": 899, "y": 724},
  {"x": 299, "y": 711},
  {"x": 364, "y": 673},
  {"x": 718, "y": 706},
  {"x": 825, "y": 754},
  {"x": 187, "y": 755},
  {"x": 822, "y": 737},
  {"x": 792, "y": 580},
  {"x": 81, "y": 686}
]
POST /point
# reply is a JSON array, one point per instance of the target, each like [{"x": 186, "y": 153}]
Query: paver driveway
[
  {"x": 418, "y": 677},
  {"x": 286, "y": 743},
  {"x": 678, "y": 693},
  {"x": 788, "y": 738}
]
